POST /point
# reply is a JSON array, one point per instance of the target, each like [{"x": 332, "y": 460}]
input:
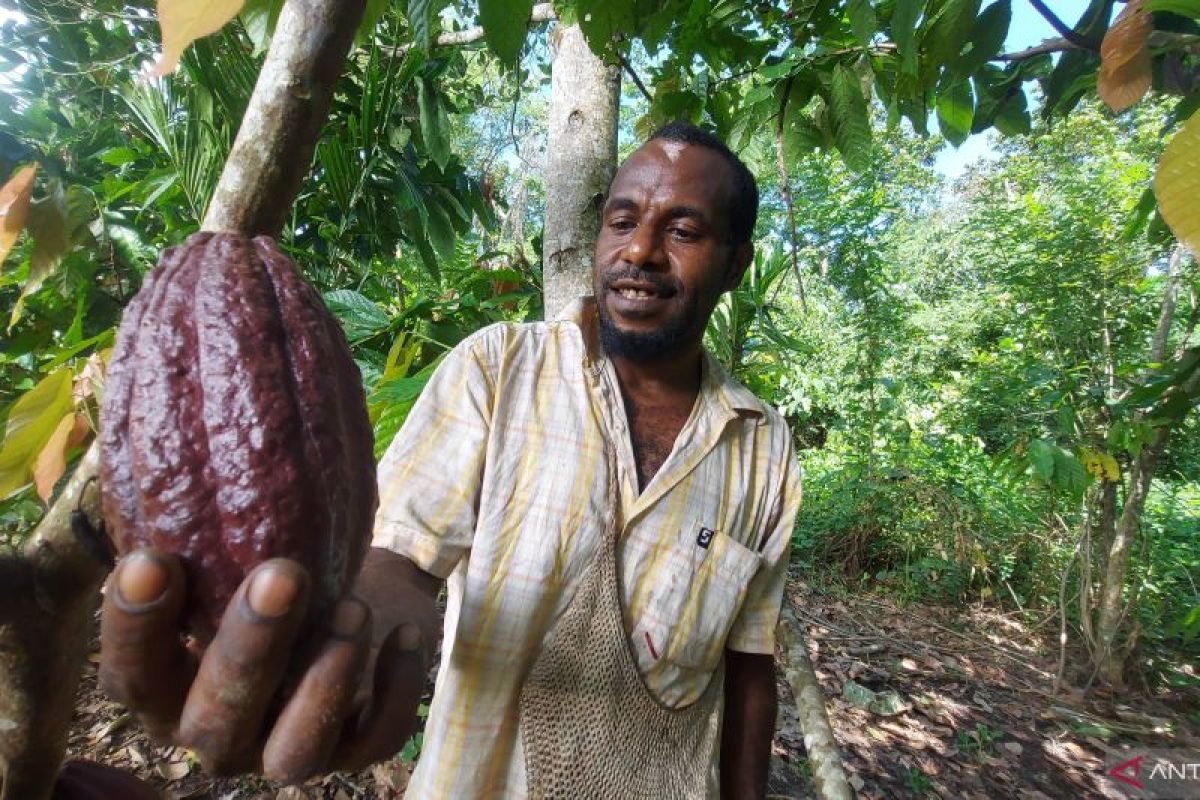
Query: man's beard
[{"x": 677, "y": 333}]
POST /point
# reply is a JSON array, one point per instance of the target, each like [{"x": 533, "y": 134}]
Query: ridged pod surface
[{"x": 234, "y": 427}]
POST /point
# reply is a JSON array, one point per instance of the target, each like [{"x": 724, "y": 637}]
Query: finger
[
  {"x": 307, "y": 730},
  {"x": 143, "y": 663},
  {"x": 242, "y": 668},
  {"x": 386, "y": 724}
]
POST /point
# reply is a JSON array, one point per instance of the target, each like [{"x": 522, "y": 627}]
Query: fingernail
[
  {"x": 272, "y": 592},
  {"x": 348, "y": 618},
  {"x": 410, "y": 637},
  {"x": 142, "y": 580}
]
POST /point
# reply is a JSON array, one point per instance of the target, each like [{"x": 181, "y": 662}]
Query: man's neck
[{"x": 674, "y": 379}]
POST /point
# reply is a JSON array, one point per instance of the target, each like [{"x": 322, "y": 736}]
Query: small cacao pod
[{"x": 233, "y": 427}]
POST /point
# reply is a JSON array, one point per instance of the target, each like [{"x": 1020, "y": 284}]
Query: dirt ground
[{"x": 925, "y": 702}]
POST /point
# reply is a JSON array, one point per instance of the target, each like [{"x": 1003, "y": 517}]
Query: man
[{"x": 612, "y": 515}]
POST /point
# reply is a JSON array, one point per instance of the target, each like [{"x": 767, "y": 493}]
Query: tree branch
[
  {"x": 637, "y": 81},
  {"x": 1159, "y": 40},
  {"x": 1070, "y": 34}
]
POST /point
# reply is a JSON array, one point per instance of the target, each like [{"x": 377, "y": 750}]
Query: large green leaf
[
  {"x": 359, "y": 315},
  {"x": 420, "y": 19},
  {"x": 862, "y": 20},
  {"x": 31, "y": 423},
  {"x": 851, "y": 118},
  {"x": 433, "y": 123},
  {"x": 504, "y": 25},
  {"x": 904, "y": 31},
  {"x": 987, "y": 36},
  {"x": 1184, "y": 8},
  {"x": 949, "y": 24},
  {"x": 955, "y": 111},
  {"x": 602, "y": 20}
]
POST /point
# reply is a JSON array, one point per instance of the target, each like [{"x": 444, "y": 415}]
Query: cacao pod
[{"x": 233, "y": 427}]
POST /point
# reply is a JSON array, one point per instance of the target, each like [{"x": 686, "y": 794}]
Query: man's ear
[{"x": 743, "y": 254}]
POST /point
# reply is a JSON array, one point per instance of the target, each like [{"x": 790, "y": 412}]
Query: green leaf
[
  {"x": 504, "y": 25},
  {"x": 1184, "y": 8},
  {"x": 955, "y": 111},
  {"x": 31, "y": 422},
  {"x": 602, "y": 20},
  {"x": 1013, "y": 117},
  {"x": 862, "y": 20},
  {"x": 904, "y": 30},
  {"x": 360, "y": 316},
  {"x": 1041, "y": 458},
  {"x": 420, "y": 19},
  {"x": 1069, "y": 473},
  {"x": 852, "y": 124},
  {"x": 987, "y": 36},
  {"x": 441, "y": 230},
  {"x": 259, "y": 18},
  {"x": 432, "y": 116},
  {"x": 948, "y": 26}
]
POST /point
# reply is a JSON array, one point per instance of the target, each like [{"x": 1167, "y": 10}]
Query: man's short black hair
[{"x": 743, "y": 212}]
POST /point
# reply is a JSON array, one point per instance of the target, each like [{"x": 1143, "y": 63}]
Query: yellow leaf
[
  {"x": 1177, "y": 184},
  {"x": 48, "y": 225},
  {"x": 34, "y": 417},
  {"x": 184, "y": 21},
  {"x": 1125, "y": 72},
  {"x": 52, "y": 461},
  {"x": 14, "y": 203}
]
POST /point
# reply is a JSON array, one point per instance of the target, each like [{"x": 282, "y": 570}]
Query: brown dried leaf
[
  {"x": 14, "y": 203},
  {"x": 1125, "y": 72},
  {"x": 52, "y": 461}
]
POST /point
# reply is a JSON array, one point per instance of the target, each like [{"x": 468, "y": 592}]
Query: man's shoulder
[{"x": 504, "y": 342}]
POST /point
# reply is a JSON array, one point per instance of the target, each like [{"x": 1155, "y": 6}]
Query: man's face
[{"x": 663, "y": 256}]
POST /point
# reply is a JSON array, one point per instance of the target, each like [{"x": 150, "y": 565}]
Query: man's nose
[{"x": 644, "y": 249}]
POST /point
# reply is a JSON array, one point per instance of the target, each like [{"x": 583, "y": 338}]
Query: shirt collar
[{"x": 715, "y": 380}]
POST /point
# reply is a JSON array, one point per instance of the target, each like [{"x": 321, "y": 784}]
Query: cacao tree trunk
[
  {"x": 50, "y": 588},
  {"x": 1111, "y": 651},
  {"x": 581, "y": 157}
]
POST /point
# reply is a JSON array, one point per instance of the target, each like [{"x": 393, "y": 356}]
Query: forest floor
[{"x": 925, "y": 701}]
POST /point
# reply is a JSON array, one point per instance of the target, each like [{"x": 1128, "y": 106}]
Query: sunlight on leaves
[
  {"x": 183, "y": 22},
  {"x": 14, "y": 203},
  {"x": 1125, "y": 72},
  {"x": 1177, "y": 183}
]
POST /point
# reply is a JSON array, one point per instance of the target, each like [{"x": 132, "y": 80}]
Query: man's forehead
[{"x": 686, "y": 166}]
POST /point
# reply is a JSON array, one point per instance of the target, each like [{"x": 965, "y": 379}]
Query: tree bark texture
[
  {"x": 829, "y": 777},
  {"x": 275, "y": 142},
  {"x": 50, "y": 588},
  {"x": 581, "y": 156}
]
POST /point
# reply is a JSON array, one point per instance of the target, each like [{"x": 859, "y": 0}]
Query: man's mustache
[{"x": 662, "y": 284}]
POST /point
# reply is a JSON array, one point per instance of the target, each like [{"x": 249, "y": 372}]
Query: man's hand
[{"x": 351, "y": 694}]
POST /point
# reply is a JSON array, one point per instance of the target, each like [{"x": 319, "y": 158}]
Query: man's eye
[
  {"x": 684, "y": 235},
  {"x": 620, "y": 224}
]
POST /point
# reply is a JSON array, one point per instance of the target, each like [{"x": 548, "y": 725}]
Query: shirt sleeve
[
  {"x": 754, "y": 629},
  {"x": 430, "y": 476}
]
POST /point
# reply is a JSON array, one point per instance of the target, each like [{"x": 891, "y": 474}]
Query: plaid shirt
[{"x": 497, "y": 483}]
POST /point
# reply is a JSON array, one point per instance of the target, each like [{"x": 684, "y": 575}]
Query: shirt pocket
[{"x": 698, "y": 596}]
